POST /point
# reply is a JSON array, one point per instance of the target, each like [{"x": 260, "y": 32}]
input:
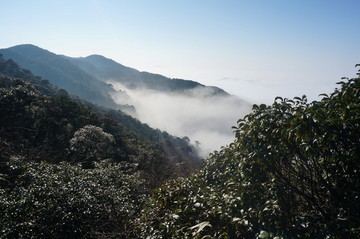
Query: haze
[
  {"x": 196, "y": 114},
  {"x": 254, "y": 49}
]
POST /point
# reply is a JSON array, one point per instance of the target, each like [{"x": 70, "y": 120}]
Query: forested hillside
[
  {"x": 61, "y": 73},
  {"x": 48, "y": 139},
  {"x": 70, "y": 169},
  {"x": 183, "y": 108},
  {"x": 57, "y": 110},
  {"x": 106, "y": 69},
  {"x": 292, "y": 172},
  {"x": 87, "y": 77}
]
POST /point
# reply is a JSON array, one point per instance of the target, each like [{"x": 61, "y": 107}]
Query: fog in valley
[{"x": 196, "y": 113}]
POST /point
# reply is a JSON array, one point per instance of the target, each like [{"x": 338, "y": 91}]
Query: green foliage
[
  {"x": 10, "y": 68},
  {"x": 46, "y": 193},
  {"x": 16, "y": 102},
  {"x": 65, "y": 201},
  {"x": 39, "y": 121},
  {"x": 92, "y": 143},
  {"x": 42, "y": 128},
  {"x": 292, "y": 172},
  {"x": 38, "y": 125},
  {"x": 61, "y": 72}
]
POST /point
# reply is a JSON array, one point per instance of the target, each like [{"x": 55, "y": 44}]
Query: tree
[
  {"x": 292, "y": 172},
  {"x": 91, "y": 143},
  {"x": 66, "y": 201}
]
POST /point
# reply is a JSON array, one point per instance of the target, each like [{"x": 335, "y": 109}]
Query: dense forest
[
  {"x": 292, "y": 172},
  {"x": 68, "y": 165},
  {"x": 71, "y": 169},
  {"x": 154, "y": 99}
]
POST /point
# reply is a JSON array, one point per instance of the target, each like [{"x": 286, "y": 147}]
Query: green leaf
[{"x": 200, "y": 227}]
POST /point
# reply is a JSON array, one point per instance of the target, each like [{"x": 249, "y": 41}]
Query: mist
[{"x": 195, "y": 113}]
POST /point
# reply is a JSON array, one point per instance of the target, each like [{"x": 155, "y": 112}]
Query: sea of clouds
[{"x": 196, "y": 113}]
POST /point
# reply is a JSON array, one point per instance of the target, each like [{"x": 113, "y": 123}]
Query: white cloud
[{"x": 194, "y": 113}]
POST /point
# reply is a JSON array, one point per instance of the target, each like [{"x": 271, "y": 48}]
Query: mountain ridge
[
  {"x": 33, "y": 109},
  {"x": 71, "y": 73},
  {"x": 181, "y": 107},
  {"x": 105, "y": 68},
  {"x": 60, "y": 72}
]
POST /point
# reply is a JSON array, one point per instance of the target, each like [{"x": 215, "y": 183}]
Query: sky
[{"x": 254, "y": 49}]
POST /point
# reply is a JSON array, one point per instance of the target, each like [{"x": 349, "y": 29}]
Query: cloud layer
[{"x": 195, "y": 113}]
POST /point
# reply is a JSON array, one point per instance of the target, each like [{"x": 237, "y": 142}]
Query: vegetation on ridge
[
  {"x": 292, "y": 172},
  {"x": 74, "y": 170}
]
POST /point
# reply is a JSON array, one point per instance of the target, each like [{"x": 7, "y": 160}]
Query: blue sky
[{"x": 254, "y": 49}]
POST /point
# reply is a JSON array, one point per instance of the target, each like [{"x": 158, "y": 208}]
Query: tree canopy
[{"x": 292, "y": 172}]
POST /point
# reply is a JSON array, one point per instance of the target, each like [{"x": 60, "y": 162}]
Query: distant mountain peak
[
  {"x": 101, "y": 61},
  {"x": 97, "y": 56},
  {"x": 26, "y": 46},
  {"x": 29, "y": 49},
  {"x": 61, "y": 72},
  {"x": 93, "y": 71}
]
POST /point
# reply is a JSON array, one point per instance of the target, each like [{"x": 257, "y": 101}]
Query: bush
[
  {"x": 292, "y": 172},
  {"x": 65, "y": 201},
  {"x": 91, "y": 143}
]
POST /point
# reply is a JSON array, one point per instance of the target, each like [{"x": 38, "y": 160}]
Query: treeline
[
  {"x": 292, "y": 172},
  {"x": 70, "y": 169}
]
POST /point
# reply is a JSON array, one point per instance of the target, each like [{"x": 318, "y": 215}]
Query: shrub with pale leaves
[{"x": 92, "y": 143}]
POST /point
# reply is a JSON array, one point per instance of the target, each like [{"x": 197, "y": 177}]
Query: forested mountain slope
[
  {"x": 87, "y": 77},
  {"x": 108, "y": 70},
  {"x": 69, "y": 170},
  {"x": 61, "y": 73},
  {"x": 181, "y": 107},
  {"x": 42, "y": 120},
  {"x": 292, "y": 172}
]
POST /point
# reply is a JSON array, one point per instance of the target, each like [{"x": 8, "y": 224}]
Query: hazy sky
[{"x": 254, "y": 49}]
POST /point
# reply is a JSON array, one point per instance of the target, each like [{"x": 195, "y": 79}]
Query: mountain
[
  {"x": 72, "y": 169},
  {"x": 181, "y": 107},
  {"x": 39, "y": 120},
  {"x": 108, "y": 70},
  {"x": 61, "y": 73},
  {"x": 88, "y": 77}
]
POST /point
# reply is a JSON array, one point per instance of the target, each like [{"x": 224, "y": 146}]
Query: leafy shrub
[
  {"x": 92, "y": 143},
  {"x": 66, "y": 201},
  {"x": 292, "y": 172}
]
